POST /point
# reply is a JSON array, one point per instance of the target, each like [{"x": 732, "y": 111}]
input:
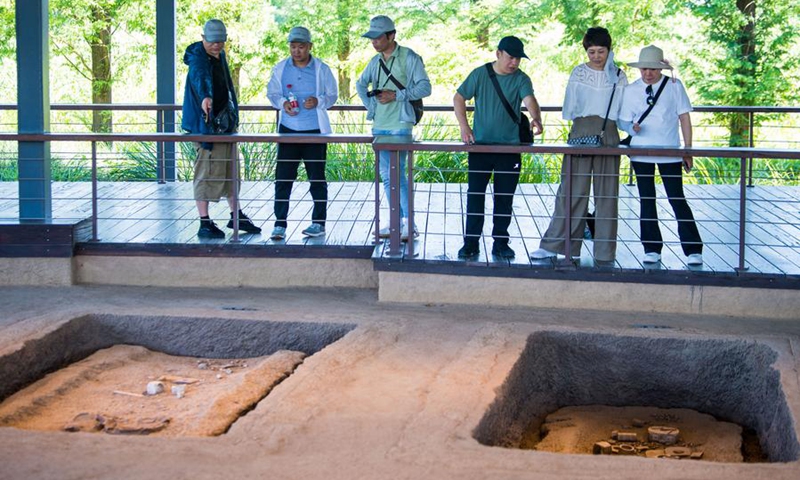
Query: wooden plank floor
[{"x": 142, "y": 213}]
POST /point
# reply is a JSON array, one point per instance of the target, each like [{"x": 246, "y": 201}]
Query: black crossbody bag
[
  {"x": 525, "y": 134},
  {"x": 627, "y": 140},
  {"x": 417, "y": 105}
]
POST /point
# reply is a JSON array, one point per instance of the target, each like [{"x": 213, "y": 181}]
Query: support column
[
  {"x": 165, "y": 83},
  {"x": 33, "y": 109}
]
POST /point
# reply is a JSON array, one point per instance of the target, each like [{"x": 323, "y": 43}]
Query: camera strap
[
  {"x": 389, "y": 74},
  {"x": 655, "y": 99}
]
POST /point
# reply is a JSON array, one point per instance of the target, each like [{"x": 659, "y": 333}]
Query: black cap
[{"x": 512, "y": 46}]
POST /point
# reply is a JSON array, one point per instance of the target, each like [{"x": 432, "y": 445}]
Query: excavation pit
[
  {"x": 731, "y": 380},
  {"x": 163, "y": 376}
]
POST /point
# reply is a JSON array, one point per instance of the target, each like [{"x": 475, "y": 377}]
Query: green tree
[
  {"x": 751, "y": 44},
  {"x": 82, "y": 33}
]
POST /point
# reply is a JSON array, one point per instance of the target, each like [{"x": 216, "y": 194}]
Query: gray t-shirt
[{"x": 491, "y": 121}]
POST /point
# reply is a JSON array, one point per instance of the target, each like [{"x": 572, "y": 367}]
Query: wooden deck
[{"x": 160, "y": 219}]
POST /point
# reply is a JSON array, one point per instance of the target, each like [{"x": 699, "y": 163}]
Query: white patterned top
[{"x": 588, "y": 91}]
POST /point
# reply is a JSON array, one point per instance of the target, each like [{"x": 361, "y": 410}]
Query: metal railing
[{"x": 396, "y": 145}]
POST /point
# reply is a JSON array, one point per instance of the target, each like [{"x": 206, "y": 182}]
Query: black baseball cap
[{"x": 512, "y": 46}]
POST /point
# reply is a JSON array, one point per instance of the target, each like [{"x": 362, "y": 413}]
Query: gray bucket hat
[
  {"x": 651, "y": 57},
  {"x": 214, "y": 31},
  {"x": 299, "y": 34},
  {"x": 378, "y": 26}
]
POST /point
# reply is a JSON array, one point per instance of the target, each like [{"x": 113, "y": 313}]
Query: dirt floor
[
  {"x": 398, "y": 397},
  {"x": 131, "y": 390},
  {"x": 579, "y": 429}
]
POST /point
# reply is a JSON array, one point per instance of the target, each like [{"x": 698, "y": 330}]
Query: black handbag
[
  {"x": 227, "y": 120},
  {"x": 417, "y": 105},
  {"x": 525, "y": 134},
  {"x": 627, "y": 140},
  {"x": 595, "y": 140}
]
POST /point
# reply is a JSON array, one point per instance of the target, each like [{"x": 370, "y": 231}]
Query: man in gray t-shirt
[{"x": 492, "y": 124}]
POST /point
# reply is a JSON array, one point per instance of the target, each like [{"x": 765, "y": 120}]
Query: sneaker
[
  {"x": 404, "y": 233},
  {"x": 209, "y": 229},
  {"x": 278, "y": 233},
  {"x": 651, "y": 257},
  {"x": 502, "y": 250},
  {"x": 542, "y": 254},
  {"x": 469, "y": 251},
  {"x": 244, "y": 223},
  {"x": 384, "y": 232},
  {"x": 694, "y": 259},
  {"x": 314, "y": 230}
]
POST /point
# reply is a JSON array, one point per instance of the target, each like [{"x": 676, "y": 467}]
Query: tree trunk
[
  {"x": 343, "y": 48},
  {"x": 739, "y": 124},
  {"x": 100, "y": 43}
]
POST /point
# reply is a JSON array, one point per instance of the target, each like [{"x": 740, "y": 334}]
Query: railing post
[
  {"x": 161, "y": 148},
  {"x": 742, "y": 214},
  {"x": 394, "y": 203},
  {"x": 235, "y": 216},
  {"x": 377, "y": 195},
  {"x": 94, "y": 193},
  {"x": 752, "y": 143},
  {"x": 410, "y": 240}
]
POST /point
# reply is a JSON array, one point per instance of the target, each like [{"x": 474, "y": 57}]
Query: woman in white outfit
[{"x": 588, "y": 96}]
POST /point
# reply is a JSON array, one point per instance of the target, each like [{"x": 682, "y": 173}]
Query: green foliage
[{"x": 752, "y": 48}]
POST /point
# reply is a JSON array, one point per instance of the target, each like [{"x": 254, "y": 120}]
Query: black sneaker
[
  {"x": 469, "y": 250},
  {"x": 502, "y": 250},
  {"x": 209, "y": 229},
  {"x": 244, "y": 223}
]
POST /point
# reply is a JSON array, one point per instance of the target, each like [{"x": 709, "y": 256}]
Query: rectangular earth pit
[
  {"x": 167, "y": 376},
  {"x": 732, "y": 380}
]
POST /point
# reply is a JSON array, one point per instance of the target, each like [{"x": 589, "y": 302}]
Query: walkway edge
[{"x": 585, "y": 295}]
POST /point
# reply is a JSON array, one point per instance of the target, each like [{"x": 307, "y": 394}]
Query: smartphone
[{"x": 686, "y": 166}]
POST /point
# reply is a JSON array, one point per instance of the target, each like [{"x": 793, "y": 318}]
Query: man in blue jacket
[{"x": 209, "y": 90}]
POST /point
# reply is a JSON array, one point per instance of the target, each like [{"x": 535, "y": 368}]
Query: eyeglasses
[{"x": 650, "y": 99}]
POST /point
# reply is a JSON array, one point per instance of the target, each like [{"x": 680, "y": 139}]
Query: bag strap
[
  {"x": 655, "y": 99},
  {"x": 389, "y": 75},
  {"x": 493, "y": 77},
  {"x": 608, "y": 110}
]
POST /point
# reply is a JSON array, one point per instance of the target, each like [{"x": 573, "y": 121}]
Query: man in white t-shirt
[{"x": 670, "y": 108}]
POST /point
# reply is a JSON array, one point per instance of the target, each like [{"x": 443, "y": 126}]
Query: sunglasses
[{"x": 650, "y": 99}]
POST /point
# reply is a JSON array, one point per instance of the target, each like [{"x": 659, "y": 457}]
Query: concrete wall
[
  {"x": 629, "y": 297},
  {"x": 36, "y": 271},
  {"x": 229, "y": 272}
]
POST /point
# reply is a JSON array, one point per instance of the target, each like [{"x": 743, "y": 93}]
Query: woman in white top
[
  {"x": 588, "y": 96},
  {"x": 660, "y": 128}
]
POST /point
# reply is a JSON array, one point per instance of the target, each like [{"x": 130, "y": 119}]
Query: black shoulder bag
[
  {"x": 227, "y": 120},
  {"x": 419, "y": 109},
  {"x": 627, "y": 140},
  {"x": 525, "y": 134},
  {"x": 595, "y": 140}
]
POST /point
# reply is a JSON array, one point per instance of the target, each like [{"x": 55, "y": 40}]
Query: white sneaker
[
  {"x": 651, "y": 257},
  {"x": 541, "y": 254},
  {"x": 404, "y": 231},
  {"x": 694, "y": 259},
  {"x": 384, "y": 232}
]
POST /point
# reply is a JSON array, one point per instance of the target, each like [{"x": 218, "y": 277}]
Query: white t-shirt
[
  {"x": 588, "y": 91},
  {"x": 661, "y": 127}
]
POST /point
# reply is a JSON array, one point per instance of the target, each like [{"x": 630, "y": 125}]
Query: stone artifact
[
  {"x": 665, "y": 435},
  {"x": 154, "y": 388}
]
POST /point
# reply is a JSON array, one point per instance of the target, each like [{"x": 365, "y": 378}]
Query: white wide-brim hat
[{"x": 651, "y": 57}]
